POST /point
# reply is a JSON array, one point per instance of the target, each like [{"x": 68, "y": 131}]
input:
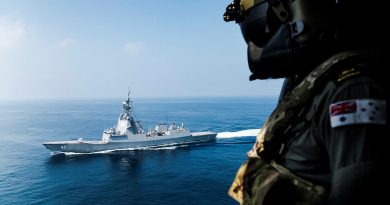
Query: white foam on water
[{"x": 242, "y": 133}]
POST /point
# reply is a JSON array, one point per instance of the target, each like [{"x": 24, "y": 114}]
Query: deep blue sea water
[{"x": 187, "y": 174}]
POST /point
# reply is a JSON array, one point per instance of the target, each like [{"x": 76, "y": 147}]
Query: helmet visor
[
  {"x": 254, "y": 26},
  {"x": 251, "y": 15}
]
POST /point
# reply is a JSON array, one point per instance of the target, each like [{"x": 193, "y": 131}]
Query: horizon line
[{"x": 138, "y": 97}]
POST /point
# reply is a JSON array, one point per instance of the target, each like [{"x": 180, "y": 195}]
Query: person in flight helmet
[{"x": 326, "y": 140}]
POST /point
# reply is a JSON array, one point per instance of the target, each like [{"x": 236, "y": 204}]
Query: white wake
[{"x": 242, "y": 133}]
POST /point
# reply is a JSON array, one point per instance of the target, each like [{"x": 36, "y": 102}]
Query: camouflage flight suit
[{"x": 325, "y": 141}]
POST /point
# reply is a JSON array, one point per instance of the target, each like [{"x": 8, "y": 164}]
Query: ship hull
[{"x": 100, "y": 146}]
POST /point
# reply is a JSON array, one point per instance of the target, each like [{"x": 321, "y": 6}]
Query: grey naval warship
[{"x": 129, "y": 134}]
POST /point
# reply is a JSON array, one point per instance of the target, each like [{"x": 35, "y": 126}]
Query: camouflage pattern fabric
[{"x": 256, "y": 176}]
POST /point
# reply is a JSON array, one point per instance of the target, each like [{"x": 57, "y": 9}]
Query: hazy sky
[{"x": 55, "y": 49}]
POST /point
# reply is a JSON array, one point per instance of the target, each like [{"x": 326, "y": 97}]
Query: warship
[{"x": 129, "y": 134}]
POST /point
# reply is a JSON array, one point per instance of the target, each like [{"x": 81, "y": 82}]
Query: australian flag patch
[{"x": 358, "y": 111}]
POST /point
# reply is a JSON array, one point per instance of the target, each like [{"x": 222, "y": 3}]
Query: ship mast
[
  {"x": 134, "y": 126},
  {"x": 127, "y": 106}
]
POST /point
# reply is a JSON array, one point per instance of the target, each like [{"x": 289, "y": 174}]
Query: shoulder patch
[
  {"x": 358, "y": 111},
  {"x": 345, "y": 74}
]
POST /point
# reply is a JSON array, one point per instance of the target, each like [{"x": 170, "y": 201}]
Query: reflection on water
[{"x": 122, "y": 159}]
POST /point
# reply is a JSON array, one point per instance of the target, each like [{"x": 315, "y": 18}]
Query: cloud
[
  {"x": 133, "y": 47},
  {"x": 66, "y": 43},
  {"x": 12, "y": 31}
]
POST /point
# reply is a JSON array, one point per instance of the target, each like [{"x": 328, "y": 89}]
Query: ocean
[{"x": 181, "y": 174}]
